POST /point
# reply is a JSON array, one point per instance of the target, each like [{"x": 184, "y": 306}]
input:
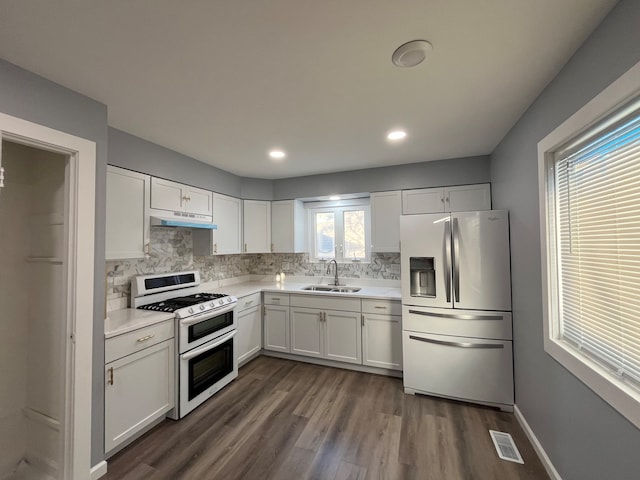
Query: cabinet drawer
[
  {"x": 326, "y": 302},
  {"x": 381, "y": 307},
  {"x": 248, "y": 301},
  {"x": 276, "y": 298},
  {"x": 128, "y": 343}
]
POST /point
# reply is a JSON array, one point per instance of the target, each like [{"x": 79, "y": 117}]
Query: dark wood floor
[{"x": 288, "y": 420}]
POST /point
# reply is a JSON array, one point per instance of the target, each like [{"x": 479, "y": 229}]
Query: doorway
[{"x": 46, "y": 291}]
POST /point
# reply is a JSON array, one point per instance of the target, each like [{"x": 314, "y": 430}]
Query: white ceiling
[{"x": 225, "y": 81}]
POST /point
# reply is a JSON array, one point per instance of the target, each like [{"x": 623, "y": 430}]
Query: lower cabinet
[
  {"x": 139, "y": 390},
  {"x": 382, "y": 333},
  {"x": 249, "y": 331},
  {"x": 276, "y": 322},
  {"x": 325, "y": 333}
]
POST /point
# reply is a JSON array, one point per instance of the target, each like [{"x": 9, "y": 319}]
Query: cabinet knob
[{"x": 215, "y": 248}]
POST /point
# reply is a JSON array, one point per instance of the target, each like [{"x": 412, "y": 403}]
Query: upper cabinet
[
  {"x": 287, "y": 226},
  {"x": 386, "y": 208},
  {"x": 176, "y": 197},
  {"x": 447, "y": 199},
  {"x": 127, "y": 225},
  {"x": 227, "y": 239},
  {"x": 257, "y": 226}
]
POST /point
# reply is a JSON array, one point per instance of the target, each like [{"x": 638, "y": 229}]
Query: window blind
[{"x": 597, "y": 232}]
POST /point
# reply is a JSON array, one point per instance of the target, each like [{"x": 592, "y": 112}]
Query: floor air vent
[{"x": 505, "y": 446}]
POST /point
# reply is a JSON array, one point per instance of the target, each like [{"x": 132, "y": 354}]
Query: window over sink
[{"x": 339, "y": 230}]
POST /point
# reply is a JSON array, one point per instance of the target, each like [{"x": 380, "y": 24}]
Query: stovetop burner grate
[{"x": 173, "y": 304}]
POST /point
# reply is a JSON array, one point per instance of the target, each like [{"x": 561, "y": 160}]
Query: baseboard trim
[
  {"x": 98, "y": 470},
  {"x": 537, "y": 446}
]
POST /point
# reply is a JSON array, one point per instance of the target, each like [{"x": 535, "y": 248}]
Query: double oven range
[{"x": 205, "y": 332}]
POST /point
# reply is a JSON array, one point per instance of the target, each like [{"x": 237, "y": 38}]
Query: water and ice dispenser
[{"x": 422, "y": 276}]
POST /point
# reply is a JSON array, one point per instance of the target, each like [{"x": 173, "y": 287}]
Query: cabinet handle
[
  {"x": 215, "y": 248},
  {"x": 144, "y": 339},
  {"x": 362, "y": 320},
  {"x": 110, "y": 381},
  {"x": 247, "y": 303},
  {"x": 378, "y": 306}
]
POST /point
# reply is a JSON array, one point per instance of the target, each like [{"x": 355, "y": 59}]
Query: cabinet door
[
  {"x": 139, "y": 389},
  {"x": 343, "y": 336},
  {"x": 127, "y": 224},
  {"x": 287, "y": 226},
  {"x": 167, "y": 195},
  {"x": 227, "y": 215},
  {"x": 276, "y": 328},
  {"x": 198, "y": 201},
  {"x": 382, "y": 341},
  {"x": 425, "y": 200},
  {"x": 257, "y": 226},
  {"x": 306, "y": 331},
  {"x": 467, "y": 198},
  {"x": 386, "y": 208},
  {"x": 249, "y": 336}
]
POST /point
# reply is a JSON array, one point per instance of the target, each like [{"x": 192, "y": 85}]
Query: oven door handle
[
  {"x": 208, "y": 346},
  {"x": 197, "y": 318}
]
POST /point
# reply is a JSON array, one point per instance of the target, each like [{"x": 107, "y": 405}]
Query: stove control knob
[
  {"x": 220, "y": 302},
  {"x": 191, "y": 310},
  {"x": 228, "y": 299},
  {"x": 201, "y": 307},
  {"x": 212, "y": 304}
]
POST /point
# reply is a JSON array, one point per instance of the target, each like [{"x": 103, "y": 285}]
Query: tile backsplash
[{"x": 171, "y": 251}]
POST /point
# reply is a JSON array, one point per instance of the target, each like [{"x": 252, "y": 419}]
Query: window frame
[
  {"x": 610, "y": 104},
  {"x": 338, "y": 208}
]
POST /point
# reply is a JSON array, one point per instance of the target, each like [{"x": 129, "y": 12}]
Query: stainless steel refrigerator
[{"x": 456, "y": 295}]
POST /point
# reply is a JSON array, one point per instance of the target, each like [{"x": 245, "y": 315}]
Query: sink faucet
[{"x": 335, "y": 282}]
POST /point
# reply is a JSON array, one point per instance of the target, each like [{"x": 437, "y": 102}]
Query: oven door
[
  {"x": 205, "y": 370},
  {"x": 200, "y": 329}
]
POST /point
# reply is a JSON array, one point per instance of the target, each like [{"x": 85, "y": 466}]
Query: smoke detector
[{"x": 411, "y": 53}]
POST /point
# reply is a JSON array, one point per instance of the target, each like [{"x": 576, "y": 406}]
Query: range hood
[{"x": 181, "y": 219}]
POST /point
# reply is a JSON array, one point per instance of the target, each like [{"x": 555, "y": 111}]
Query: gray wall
[
  {"x": 30, "y": 97},
  {"x": 584, "y": 437},
  {"x": 458, "y": 171},
  {"x": 134, "y": 153}
]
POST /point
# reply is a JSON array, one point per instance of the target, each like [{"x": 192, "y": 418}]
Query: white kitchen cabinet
[
  {"x": 319, "y": 330},
  {"x": 386, "y": 208},
  {"x": 249, "y": 331},
  {"x": 257, "y": 226},
  {"x": 227, "y": 239},
  {"x": 276, "y": 322},
  {"x": 127, "y": 223},
  {"x": 177, "y": 197},
  {"x": 139, "y": 386},
  {"x": 382, "y": 333},
  {"x": 447, "y": 199},
  {"x": 287, "y": 226}
]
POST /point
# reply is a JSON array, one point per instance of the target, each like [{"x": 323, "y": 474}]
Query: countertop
[{"x": 129, "y": 319}]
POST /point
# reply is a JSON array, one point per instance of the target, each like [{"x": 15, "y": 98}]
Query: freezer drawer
[
  {"x": 463, "y": 368},
  {"x": 461, "y": 323}
]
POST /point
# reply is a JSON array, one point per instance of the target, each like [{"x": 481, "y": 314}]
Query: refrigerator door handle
[
  {"x": 447, "y": 261},
  {"x": 457, "y": 316},
  {"x": 457, "y": 344},
  {"x": 456, "y": 260}
]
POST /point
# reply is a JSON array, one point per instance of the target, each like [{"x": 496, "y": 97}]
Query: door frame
[{"x": 80, "y": 181}]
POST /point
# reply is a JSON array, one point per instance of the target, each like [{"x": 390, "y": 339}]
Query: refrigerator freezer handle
[
  {"x": 447, "y": 261},
  {"x": 456, "y": 260}
]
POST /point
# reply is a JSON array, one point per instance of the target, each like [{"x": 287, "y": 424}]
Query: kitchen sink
[{"x": 331, "y": 289}]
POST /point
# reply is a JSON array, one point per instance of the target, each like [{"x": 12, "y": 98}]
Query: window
[
  {"x": 590, "y": 222},
  {"x": 339, "y": 232}
]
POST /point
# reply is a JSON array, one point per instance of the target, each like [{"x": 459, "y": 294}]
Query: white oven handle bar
[
  {"x": 197, "y": 318},
  {"x": 208, "y": 346}
]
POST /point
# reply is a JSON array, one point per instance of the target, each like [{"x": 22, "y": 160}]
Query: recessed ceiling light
[
  {"x": 411, "y": 53},
  {"x": 277, "y": 154},
  {"x": 396, "y": 135},
  {"x": 334, "y": 197}
]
